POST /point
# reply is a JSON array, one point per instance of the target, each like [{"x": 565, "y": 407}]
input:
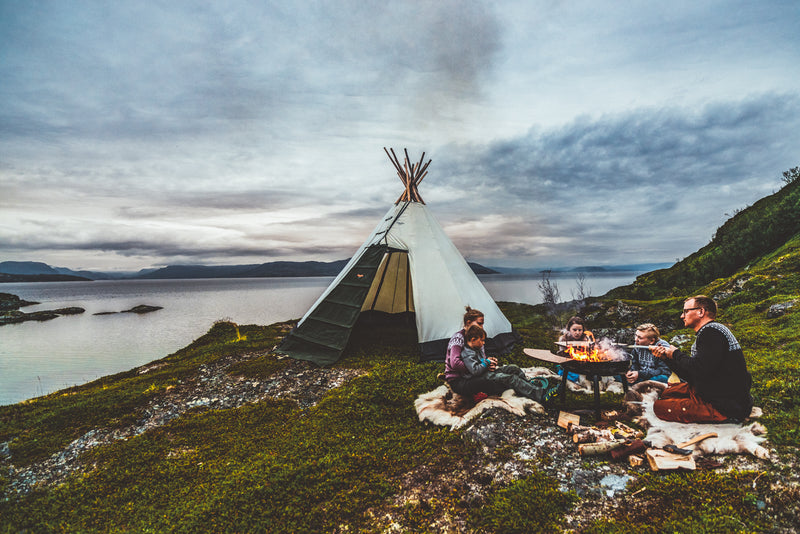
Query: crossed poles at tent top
[{"x": 410, "y": 175}]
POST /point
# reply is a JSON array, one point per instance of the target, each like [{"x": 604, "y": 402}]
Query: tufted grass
[{"x": 532, "y": 504}]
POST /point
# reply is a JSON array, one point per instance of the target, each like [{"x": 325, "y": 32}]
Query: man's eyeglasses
[{"x": 687, "y": 310}]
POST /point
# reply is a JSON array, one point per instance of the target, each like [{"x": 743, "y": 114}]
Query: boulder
[{"x": 777, "y": 310}]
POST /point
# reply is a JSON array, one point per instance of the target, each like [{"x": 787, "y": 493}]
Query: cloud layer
[{"x": 135, "y": 135}]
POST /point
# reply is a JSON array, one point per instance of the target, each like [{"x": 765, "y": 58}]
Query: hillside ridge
[{"x": 749, "y": 235}]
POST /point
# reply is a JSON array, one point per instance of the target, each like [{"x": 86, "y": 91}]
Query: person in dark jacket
[{"x": 717, "y": 383}]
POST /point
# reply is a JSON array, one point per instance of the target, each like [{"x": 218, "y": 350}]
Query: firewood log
[
  {"x": 574, "y": 429},
  {"x": 635, "y": 447},
  {"x": 591, "y": 435},
  {"x": 594, "y": 449},
  {"x": 584, "y": 437},
  {"x": 635, "y": 460}
]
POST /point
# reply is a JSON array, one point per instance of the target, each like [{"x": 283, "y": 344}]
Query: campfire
[
  {"x": 602, "y": 351},
  {"x": 586, "y": 354},
  {"x": 594, "y": 359}
]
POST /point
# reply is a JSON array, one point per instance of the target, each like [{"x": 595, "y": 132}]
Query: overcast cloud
[{"x": 142, "y": 134}]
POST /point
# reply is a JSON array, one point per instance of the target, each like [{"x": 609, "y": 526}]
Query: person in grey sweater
[{"x": 644, "y": 365}]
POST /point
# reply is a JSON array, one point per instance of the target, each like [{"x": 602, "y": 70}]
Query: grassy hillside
[
  {"x": 746, "y": 237},
  {"x": 338, "y": 465}
]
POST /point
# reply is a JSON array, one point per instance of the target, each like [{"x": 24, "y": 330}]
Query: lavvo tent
[{"x": 406, "y": 265}]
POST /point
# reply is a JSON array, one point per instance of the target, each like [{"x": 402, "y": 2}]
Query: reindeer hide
[
  {"x": 732, "y": 438},
  {"x": 445, "y": 408}
]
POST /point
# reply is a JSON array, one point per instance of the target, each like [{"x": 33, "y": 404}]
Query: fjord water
[{"x": 37, "y": 358}]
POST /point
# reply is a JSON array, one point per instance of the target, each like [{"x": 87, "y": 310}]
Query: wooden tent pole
[
  {"x": 392, "y": 160},
  {"x": 411, "y": 174},
  {"x": 421, "y": 173},
  {"x": 407, "y": 180},
  {"x": 396, "y": 161}
]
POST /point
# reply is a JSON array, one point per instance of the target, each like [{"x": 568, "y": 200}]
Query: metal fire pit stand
[{"x": 592, "y": 370}]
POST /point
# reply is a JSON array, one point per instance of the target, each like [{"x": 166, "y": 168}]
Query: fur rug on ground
[
  {"x": 445, "y": 408},
  {"x": 732, "y": 438}
]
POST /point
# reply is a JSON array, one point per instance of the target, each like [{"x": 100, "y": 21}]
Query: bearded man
[{"x": 716, "y": 385}]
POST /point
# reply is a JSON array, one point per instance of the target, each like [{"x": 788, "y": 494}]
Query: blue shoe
[{"x": 550, "y": 393}]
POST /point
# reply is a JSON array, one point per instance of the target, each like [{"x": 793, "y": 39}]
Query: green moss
[
  {"x": 267, "y": 466},
  {"x": 259, "y": 367},
  {"x": 532, "y": 504},
  {"x": 700, "y": 501},
  {"x": 422, "y": 516}
]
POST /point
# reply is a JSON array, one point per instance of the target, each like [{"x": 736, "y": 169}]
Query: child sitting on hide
[
  {"x": 645, "y": 366},
  {"x": 483, "y": 376}
]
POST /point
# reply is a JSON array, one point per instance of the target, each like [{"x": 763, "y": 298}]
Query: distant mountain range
[
  {"x": 22, "y": 269},
  {"x": 271, "y": 269},
  {"x": 33, "y": 271},
  {"x": 587, "y": 269}
]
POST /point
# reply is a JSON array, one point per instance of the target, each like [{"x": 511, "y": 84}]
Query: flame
[{"x": 586, "y": 354}]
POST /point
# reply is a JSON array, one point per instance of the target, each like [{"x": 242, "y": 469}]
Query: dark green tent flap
[{"x": 323, "y": 335}]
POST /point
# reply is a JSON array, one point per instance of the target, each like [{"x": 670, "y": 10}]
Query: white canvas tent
[{"x": 407, "y": 264}]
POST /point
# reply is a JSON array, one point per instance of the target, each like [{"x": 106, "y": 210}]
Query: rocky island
[
  {"x": 10, "y": 314},
  {"x": 140, "y": 309},
  {"x": 10, "y": 310}
]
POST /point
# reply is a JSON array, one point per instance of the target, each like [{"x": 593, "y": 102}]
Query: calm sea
[{"x": 39, "y": 358}]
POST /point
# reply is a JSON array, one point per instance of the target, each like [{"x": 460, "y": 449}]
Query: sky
[{"x": 148, "y": 133}]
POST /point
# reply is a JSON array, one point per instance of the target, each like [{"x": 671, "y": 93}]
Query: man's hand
[
  {"x": 631, "y": 376},
  {"x": 664, "y": 353}
]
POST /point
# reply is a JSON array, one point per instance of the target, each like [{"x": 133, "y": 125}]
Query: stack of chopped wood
[
  {"x": 617, "y": 438},
  {"x": 621, "y": 442}
]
